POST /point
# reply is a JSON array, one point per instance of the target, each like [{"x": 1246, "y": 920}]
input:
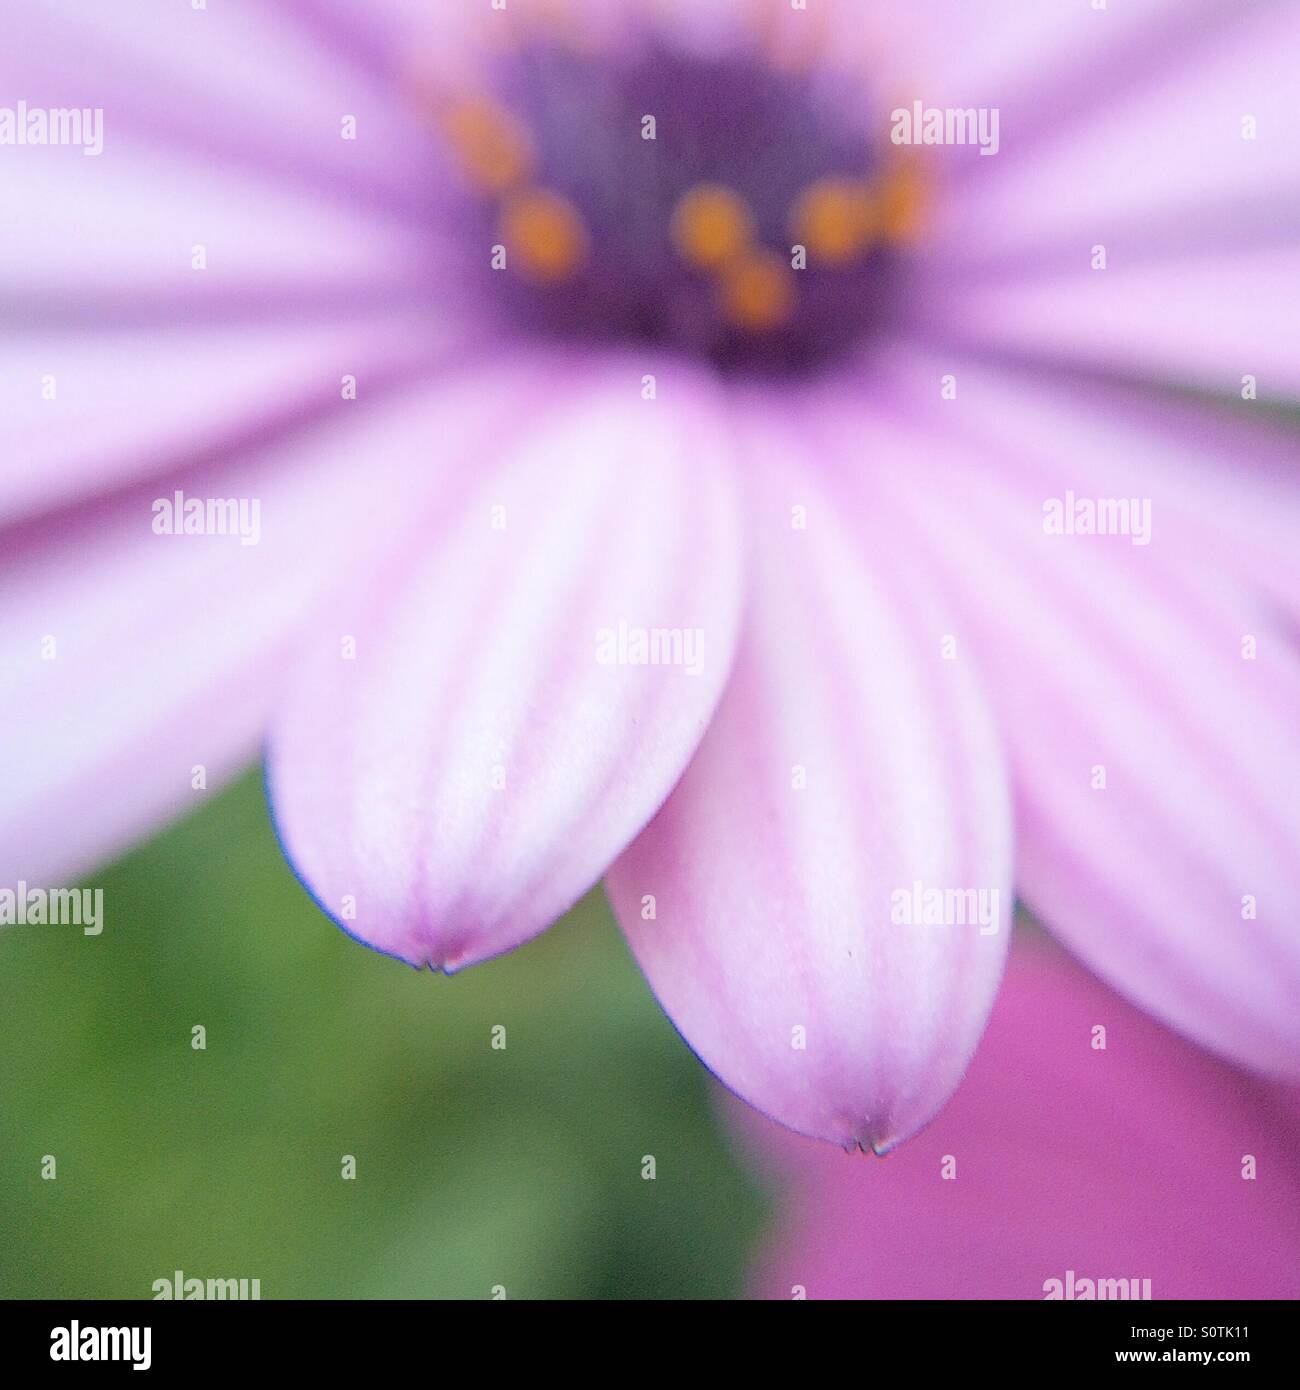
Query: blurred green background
[{"x": 475, "y": 1167}]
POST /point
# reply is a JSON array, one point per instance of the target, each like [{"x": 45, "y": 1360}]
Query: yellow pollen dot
[
  {"x": 492, "y": 144},
  {"x": 711, "y": 226},
  {"x": 544, "y": 235},
  {"x": 758, "y": 291},
  {"x": 902, "y": 203},
  {"x": 835, "y": 219}
]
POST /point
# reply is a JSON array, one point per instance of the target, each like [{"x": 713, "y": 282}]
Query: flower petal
[
  {"x": 1213, "y": 318},
  {"x": 238, "y": 83},
  {"x": 493, "y": 745},
  {"x": 1186, "y": 186},
  {"x": 1174, "y": 141},
  {"x": 215, "y": 192},
  {"x": 770, "y": 902},
  {"x": 968, "y": 52},
  {"x": 128, "y": 658},
  {"x": 1127, "y": 1161},
  {"x": 88, "y": 412},
  {"x": 1146, "y": 692}
]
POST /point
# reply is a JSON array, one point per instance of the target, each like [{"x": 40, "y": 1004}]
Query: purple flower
[
  {"x": 1086, "y": 1146},
  {"x": 734, "y": 450}
]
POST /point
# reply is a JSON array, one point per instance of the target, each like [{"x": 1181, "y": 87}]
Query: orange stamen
[
  {"x": 492, "y": 144},
  {"x": 902, "y": 203},
  {"x": 544, "y": 235},
  {"x": 711, "y": 226},
  {"x": 835, "y": 219},
  {"x": 758, "y": 291}
]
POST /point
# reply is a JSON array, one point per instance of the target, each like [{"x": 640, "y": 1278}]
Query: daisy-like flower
[{"x": 741, "y": 450}]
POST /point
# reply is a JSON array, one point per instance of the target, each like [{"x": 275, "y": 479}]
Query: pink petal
[
  {"x": 221, "y": 130},
  {"x": 968, "y": 52},
  {"x": 84, "y": 412},
  {"x": 759, "y": 907},
  {"x": 239, "y": 82},
  {"x": 115, "y": 237},
  {"x": 1172, "y": 144},
  {"x": 1126, "y": 1162},
  {"x": 473, "y": 771},
  {"x": 1208, "y": 318},
  {"x": 1198, "y": 223},
  {"x": 169, "y": 649},
  {"x": 1222, "y": 478},
  {"x": 1177, "y": 881}
]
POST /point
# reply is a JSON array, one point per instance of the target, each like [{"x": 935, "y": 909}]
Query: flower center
[{"x": 719, "y": 204}]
